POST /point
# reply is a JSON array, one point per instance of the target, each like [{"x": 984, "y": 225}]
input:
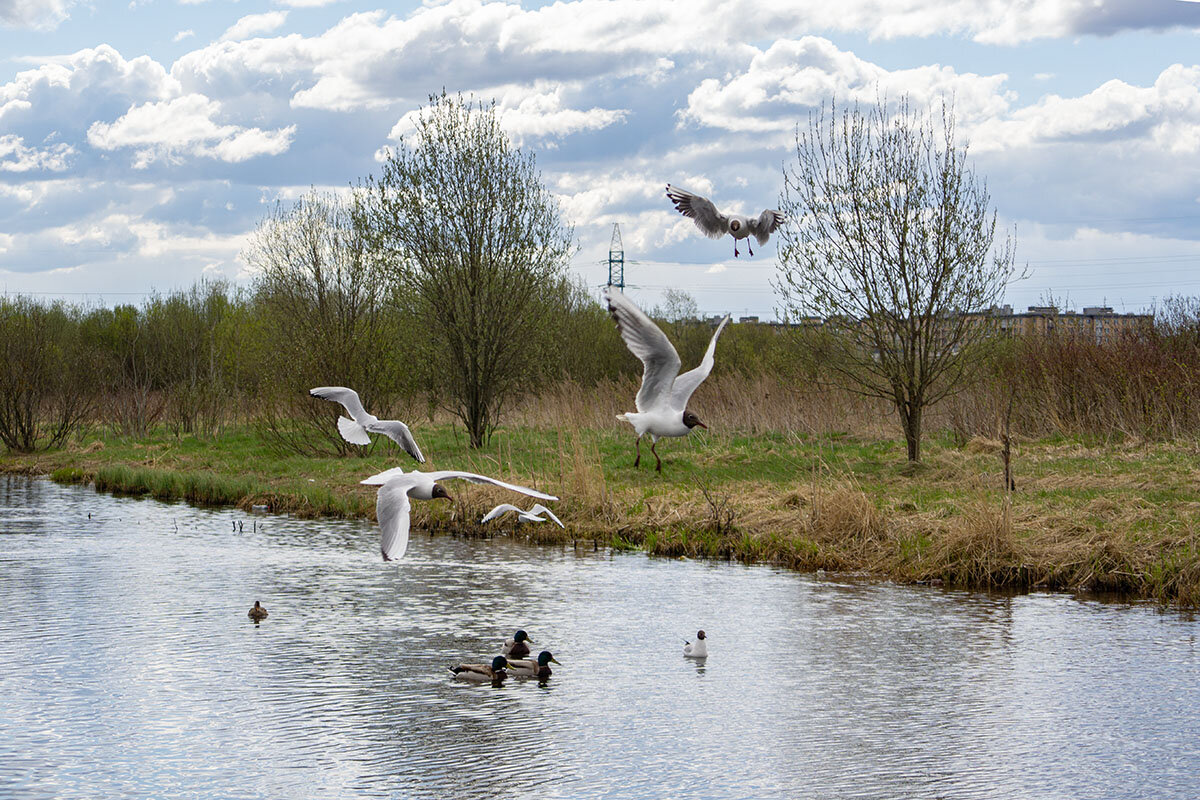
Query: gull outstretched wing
[
  {"x": 700, "y": 210},
  {"x": 660, "y": 362},
  {"x": 686, "y": 384},
  {"x": 399, "y": 433}
]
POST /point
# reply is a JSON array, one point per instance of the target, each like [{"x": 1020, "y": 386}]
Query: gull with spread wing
[
  {"x": 532, "y": 515},
  {"x": 355, "y": 429},
  {"x": 714, "y": 224},
  {"x": 396, "y": 487},
  {"x": 662, "y": 400}
]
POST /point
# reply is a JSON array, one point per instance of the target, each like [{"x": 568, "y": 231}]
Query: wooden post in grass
[{"x": 1006, "y": 450}]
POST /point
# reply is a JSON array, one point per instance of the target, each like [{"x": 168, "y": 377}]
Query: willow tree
[
  {"x": 891, "y": 242},
  {"x": 478, "y": 246}
]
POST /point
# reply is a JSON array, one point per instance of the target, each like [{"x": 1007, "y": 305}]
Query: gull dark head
[
  {"x": 691, "y": 420},
  {"x": 735, "y": 225},
  {"x": 440, "y": 491},
  {"x": 699, "y": 634}
]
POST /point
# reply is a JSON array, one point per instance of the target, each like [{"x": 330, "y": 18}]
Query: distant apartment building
[{"x": 1098, "y": 323}]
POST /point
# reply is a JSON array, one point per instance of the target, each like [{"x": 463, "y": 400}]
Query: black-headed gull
[
  {"x": 697, "y": 649},
  {"x": 396, "y": 487},
  {"x": 354, "y": 430},
  {"x": 715, "y": 224},
  {"x": 662, "y": 400},
  {"x": 534, "y": 514}
]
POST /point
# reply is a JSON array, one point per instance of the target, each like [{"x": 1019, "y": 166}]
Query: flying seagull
[
  {"x": 532, "y": 515},
  {"x": 397, "y": 486},
  {"x": 355, "y": 430},
  {"x": 714, "y": 224},
  {"x": 662, "y": 400}
]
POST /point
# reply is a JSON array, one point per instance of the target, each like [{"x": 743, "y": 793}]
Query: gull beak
[{"x": 701, "y": 424}]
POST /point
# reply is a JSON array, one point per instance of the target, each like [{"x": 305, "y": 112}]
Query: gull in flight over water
[
  {"x": 715, "y": 224},
  {"x": 662, "y": 400},
  {"x": 355, "y": 429},
  {"x": 396, "y": 487},
  {"x": 532, "y": 515}
]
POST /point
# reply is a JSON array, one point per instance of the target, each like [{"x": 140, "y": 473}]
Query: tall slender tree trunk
[{"x": 910, "y": 418}]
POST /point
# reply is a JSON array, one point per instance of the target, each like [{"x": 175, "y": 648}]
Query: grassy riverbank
[{"x": 1099, "y": 516}]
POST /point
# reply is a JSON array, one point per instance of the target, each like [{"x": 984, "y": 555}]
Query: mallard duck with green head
[
  {"x": 528, "y": 668},
  {"x": 517, "y": 646},
  {"x": 481, "y": 673}
]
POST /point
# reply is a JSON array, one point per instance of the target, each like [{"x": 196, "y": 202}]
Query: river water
[{"x": 128, "y": 668}]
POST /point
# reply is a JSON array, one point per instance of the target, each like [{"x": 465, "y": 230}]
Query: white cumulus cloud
[
  {"x": 185, "y": 126},
  {"x": 1164, "y": 116},
  {"x": 15, "y": 156},
  {"x": 541, "y": 114},
  {"x": 781, "y": 85},
  {"x": 36, "y": 14},
  {"x": 254, "y": 24}
]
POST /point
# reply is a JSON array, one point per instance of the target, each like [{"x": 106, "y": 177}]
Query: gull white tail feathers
[{"x": 352, "y": 432}]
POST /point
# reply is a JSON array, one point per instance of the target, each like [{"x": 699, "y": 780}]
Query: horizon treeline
[{"x": 215, "y": 355}]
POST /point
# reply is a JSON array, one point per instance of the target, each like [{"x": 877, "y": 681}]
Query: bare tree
[
  {"x": 890, "y": 241},
  {"x": 678, "y": 306},
  {"x": 131, "y": 340},
  {"x": 329, "y": 318},
  {"x": 467, "y": 226},
  {"x": 47, "y": 377}
]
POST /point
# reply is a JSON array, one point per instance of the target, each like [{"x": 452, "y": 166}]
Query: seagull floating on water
[
  {"x": 355, "y": 429},
  {"x": 532, "y": 515},
  {"x": 715, "y": 224},
  {"x": 528, "y": 668},
  {"x": 662, "y": 400},
  {"x": 516, "y": 647},
  {"x": 482, "y": 672},
  {"x": 397, "y": 486},
  {"x": 699, "y": 649}
]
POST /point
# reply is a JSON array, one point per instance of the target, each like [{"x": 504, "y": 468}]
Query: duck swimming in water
[
  {"x": 516, "y": 647},
  {"x": 697, "y": 650},
  {"x": 528, "y": 668},
  {"x": 482, "y": 673},
  {"x": 258, "y": 613}
]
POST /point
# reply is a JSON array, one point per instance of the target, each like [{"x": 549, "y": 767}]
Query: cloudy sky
[{"x": 141, "y": 141}]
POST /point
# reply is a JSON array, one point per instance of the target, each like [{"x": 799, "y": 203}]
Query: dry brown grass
[{"x": 744, "y": 404}]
